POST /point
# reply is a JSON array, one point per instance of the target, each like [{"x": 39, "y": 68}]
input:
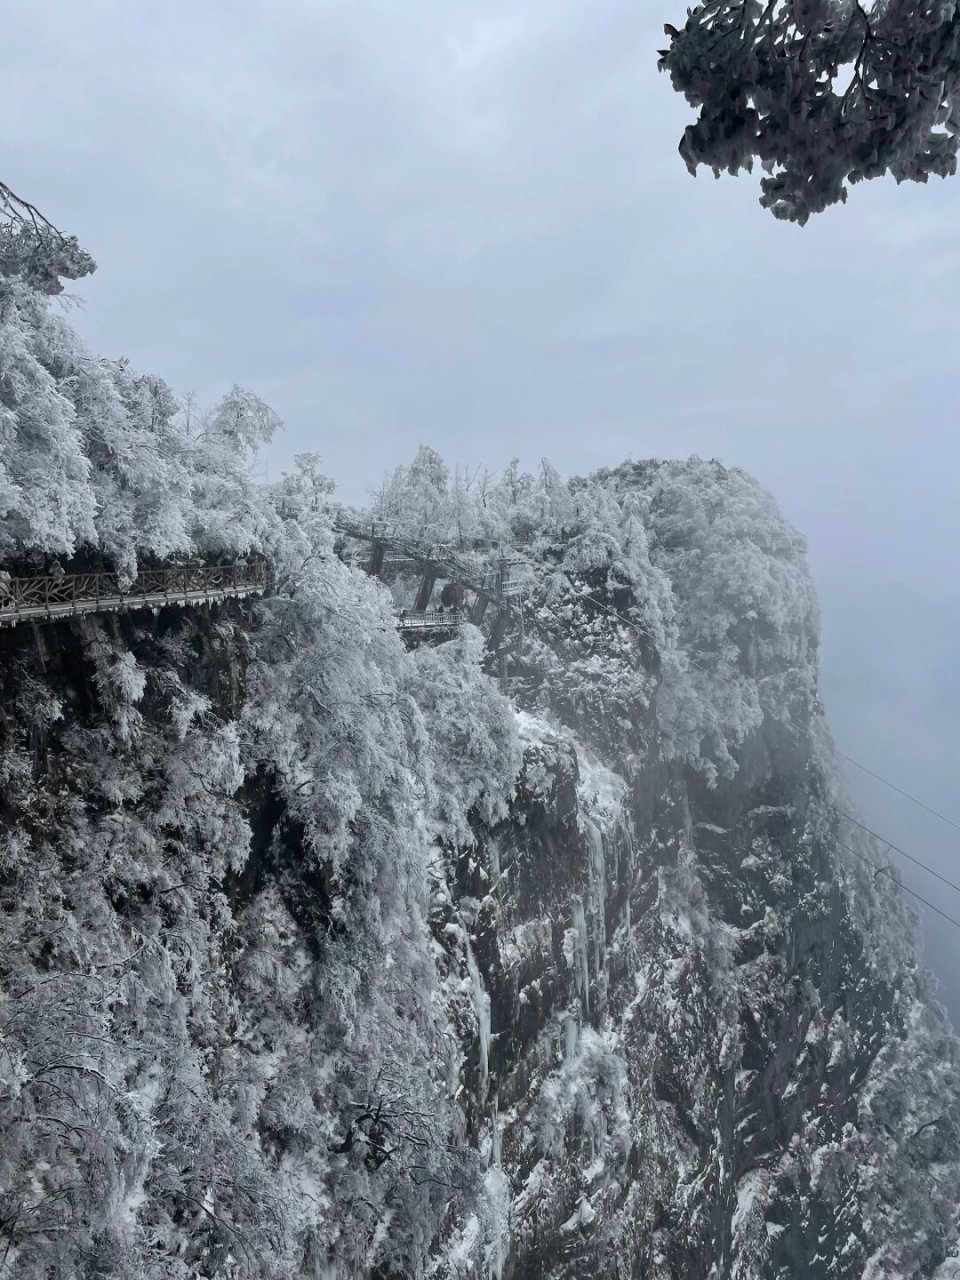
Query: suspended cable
[
  {"x": 895, "y": 847},
  {"x": 885, "y": 871},
  {"x": 878, "y": 869},
  {"x": 899, "y": 790}
]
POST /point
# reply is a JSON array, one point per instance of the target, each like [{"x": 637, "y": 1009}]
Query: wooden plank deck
[
  {"x": 10, "y": 615},
  {"x": 65, "y": 595},
  {"x": 432, "y": 621}
]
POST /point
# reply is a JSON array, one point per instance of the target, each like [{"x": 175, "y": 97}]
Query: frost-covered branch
[
  {"x": 821, "y": 93},
  {"x": 33, "y": 247}
]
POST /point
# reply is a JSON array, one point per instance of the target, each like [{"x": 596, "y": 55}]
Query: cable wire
[
  {"x": 899, "y": 790},
  {"x": 885, "y": 871},
  {"x": 895, "y": 847}
]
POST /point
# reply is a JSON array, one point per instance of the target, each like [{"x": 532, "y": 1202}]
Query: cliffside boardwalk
[
  {"x": 66, "y": 594},
  {"x": 437, "y": 621},
  {"x": 485, "y": 574},
  {"x": 58, "y": 595},
  {"x": 51, "y": 596},
  {"x": 434, "y": 561}
]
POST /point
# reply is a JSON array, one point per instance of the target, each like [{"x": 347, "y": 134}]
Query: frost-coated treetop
[
  {"x": 286, "y": 910},
  {"x": 821, "y": 92}
]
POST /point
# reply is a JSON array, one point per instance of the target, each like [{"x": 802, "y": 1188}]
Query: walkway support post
[
  {"x": 426, "y": 588},
  {"x": 479, "y": 608},
  {"x": 377, "y": 552}
]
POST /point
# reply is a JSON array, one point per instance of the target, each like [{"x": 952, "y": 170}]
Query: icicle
[
  {"x": 596, "y": 870},
  {"x": 580, "y": 924},
  {"x": 571, "y": 1036},
  {"x": 481, "y": 1006},
  {"x": 496, "y": 1144},
  {"x": 493, "y": 857}
]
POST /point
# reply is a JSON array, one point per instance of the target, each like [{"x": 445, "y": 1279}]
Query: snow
[
  {"x": 233, "y": 1025},
  {"x": 497, "y": 1249},
  {"x": 534, "y": 731},
  {"x": 462, "y": 1253},
  {"x": 481, "y": 1008},
  {"x": 583, "y": 1217},
  {"x": 751, "y": 1190},
  {"x": 601, "y": 791}
]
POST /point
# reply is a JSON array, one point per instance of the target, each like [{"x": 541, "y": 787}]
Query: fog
[
  {"x": 891, "y": 684},
  {"x": 468, "y": 226}
]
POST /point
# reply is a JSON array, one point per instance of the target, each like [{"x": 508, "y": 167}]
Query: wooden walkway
[
  {"x": 71, "y": 594},
  {"x": 472, "y": 572},
  {"x": 63, "y": 595},
  {"x": 434, "y": 620}
]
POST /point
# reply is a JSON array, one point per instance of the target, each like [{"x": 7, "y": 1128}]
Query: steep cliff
[
  {"x": 319, "y": 957},
  {"x": 711, "y": 1051}
]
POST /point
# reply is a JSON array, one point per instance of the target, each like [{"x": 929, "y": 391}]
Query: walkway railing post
[{"x": 52, "y": 596}]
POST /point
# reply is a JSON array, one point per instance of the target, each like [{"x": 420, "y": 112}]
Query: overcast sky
[{"x": 467, "y": 224}]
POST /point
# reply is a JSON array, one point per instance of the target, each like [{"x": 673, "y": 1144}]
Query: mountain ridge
[{"x": 321, "y": 957}]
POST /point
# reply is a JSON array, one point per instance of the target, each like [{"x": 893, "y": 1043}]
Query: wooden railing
[
  {"x": 61, "y": 594},
  {"x": 432, "y": 620},
  {"x": 466, "y": 570}
]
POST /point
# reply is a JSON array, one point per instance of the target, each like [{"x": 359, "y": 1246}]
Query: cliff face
[
  {"x": 698, "y": 1059},
  {"x": 705, "y": 1048},
  {"x": 321, "y": 958}
]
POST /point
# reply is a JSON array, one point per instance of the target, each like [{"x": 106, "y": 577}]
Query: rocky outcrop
[
  {"x": 319, "y": 958},
  {"x": 703, "y": 1012}
]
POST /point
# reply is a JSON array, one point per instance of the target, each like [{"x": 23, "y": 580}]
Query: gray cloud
[{"x": 470, "y": 226}]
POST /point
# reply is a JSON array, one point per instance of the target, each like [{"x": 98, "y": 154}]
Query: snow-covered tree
[
  {"x": 227, "y": 515},
  {"x": 97, "y": 458},
  {"x": 272, "y": 887},
  {"x": 821, "y": 93},
  {"x": 418, "y": 497},
  {"x": 46, "y": 496}
]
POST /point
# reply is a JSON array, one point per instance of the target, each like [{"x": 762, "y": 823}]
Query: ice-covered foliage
[
  {"x": 679, "y": 578},
  {"x": 821, "y": 93},
  {"x": 98, "y": 460},
  {"x": 223, "y": 1053},
  {"x": 474, "y": 732},
  {"x": 222, "y": 1049},
  {"x": 318, "y": 957},
  {"x": 32, "y": 248}
]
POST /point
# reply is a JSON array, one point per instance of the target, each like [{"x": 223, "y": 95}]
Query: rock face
[
  {"x": 710, "y": 1051},
  {"x": 695, "y": 1058},
  {"x": 707, "y": 1022},
  {"x": 321, "y": 959}
]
